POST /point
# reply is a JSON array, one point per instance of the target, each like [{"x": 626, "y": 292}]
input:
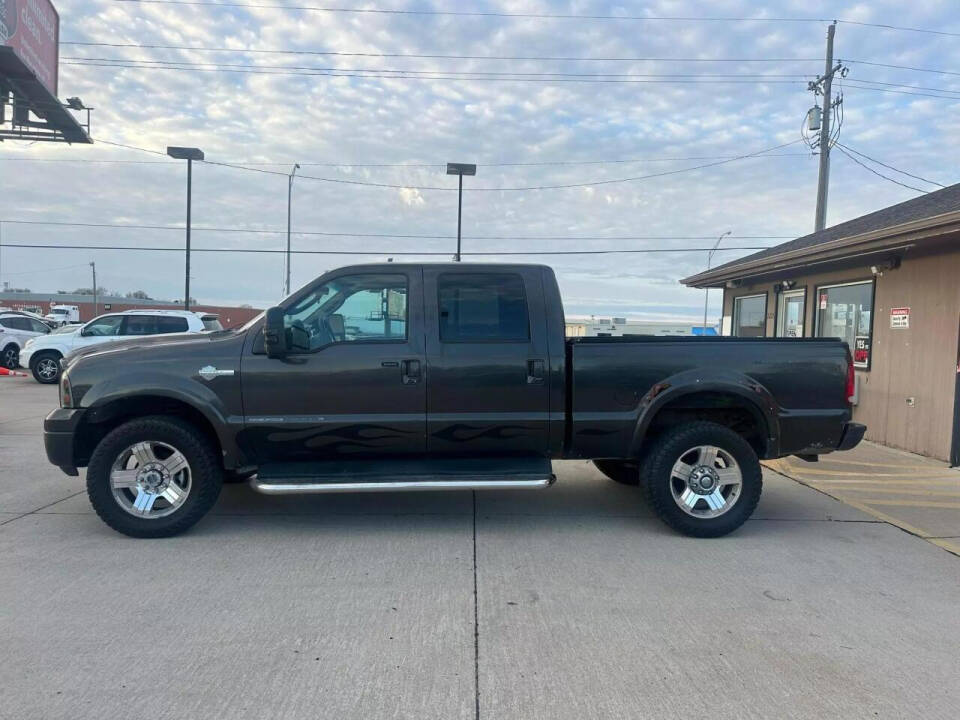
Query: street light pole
[
  {"x": 188, "y": 154},
  {"x": 296, "y": 166},
  {"x": 96, "y": 309},
  {"x": 706, "y": 291},
  {"x": 460, "y": 169}
]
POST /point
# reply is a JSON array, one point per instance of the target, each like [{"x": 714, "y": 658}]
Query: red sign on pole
[{"x": 32, "y": 29}]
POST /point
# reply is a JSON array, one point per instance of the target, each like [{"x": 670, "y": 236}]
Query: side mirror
[{"x": 274, "y": 337}]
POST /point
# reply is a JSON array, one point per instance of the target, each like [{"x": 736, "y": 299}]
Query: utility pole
[
  {"x": 821, "y": 121},
  {"x": 296, "y": 166},
  {"x": 96, "y": 310},
  {"x": 823, "y": 184},
  {"x": 706, "y": 291}
]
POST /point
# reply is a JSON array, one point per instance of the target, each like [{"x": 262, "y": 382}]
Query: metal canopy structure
[{"x": 29, "y": 111}]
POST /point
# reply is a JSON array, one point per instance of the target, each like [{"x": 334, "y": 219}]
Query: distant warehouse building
[
  {"x": 609, "y": 326},
  {"x": 889, "y": 284},
  {"x": 41, "y": 303}
]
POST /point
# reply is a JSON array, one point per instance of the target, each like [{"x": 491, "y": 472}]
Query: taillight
[{"x": 851, "y": 380}]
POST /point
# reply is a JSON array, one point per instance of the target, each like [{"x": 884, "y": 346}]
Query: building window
[
  {"x": 846, "y": 312},
  {"x": 750, "y": 316}
]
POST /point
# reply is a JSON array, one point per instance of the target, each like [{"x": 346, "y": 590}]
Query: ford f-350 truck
[{"x": 394, "y": 377}]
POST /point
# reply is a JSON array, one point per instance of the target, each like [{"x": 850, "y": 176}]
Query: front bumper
[
  {"x": 851, "y": 436},
  {"x": 25, "y": 355},
  {"x": 59, "y": 437}
]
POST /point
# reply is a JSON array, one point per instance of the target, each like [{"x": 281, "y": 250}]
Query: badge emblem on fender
[{"x": 208, "y": 372}]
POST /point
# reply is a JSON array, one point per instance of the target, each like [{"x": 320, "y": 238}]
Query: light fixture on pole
[
  {"x": 189, "y": 154},
  {"x": 460, "y": 169},
  {"x": 706, "y": 290},
  {"x": 296, "y": 166}
]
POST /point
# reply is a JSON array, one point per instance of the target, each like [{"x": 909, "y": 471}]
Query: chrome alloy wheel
[
  {"x": 150, "y": 479},
  {"x": 47, "y": 368},
  {"x": 705, "y": 481}
]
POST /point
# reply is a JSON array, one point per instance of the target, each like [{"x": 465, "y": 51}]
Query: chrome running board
[{"x": 298, "y": 487}]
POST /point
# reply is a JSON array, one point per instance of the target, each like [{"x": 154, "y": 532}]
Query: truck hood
[{"x": 146, "y": 342}]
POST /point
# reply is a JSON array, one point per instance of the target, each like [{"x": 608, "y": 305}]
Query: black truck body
[{"x": 441, "y": 375}]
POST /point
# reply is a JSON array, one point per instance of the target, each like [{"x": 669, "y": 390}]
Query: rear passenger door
[{"x": 486, "y": 362}]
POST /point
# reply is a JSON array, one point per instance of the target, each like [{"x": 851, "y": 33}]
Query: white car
[
  {"x": 63, "y": 314},
  {"x": 42, "y": 355},
  {"x": 16, "y": 330}
]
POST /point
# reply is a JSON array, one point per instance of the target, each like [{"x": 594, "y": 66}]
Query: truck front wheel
[
  {"x": 153, "y": 477},
  {"x": 625, "y": 472},
  {"x": 702, "y": 479}
]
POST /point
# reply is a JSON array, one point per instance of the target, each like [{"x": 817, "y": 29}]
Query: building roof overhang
[{"x": 868, "y": 247}]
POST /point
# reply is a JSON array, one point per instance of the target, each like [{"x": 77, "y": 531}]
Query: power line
[
  {"x": 561, "y": 186},
  {"x": 377, "y": 252},
  {"x": 307, "y": 163},
  {"x": 178, "y": 228},
  {"x": 540, "y": 16},
  {"x": 464, "y": 13},
  {"x": 889, "y": 167},
  {"x": 904, "y": 85},
  {"x": 431, "y": 56},
  {"x": 190, "y": 64},
  {"x": 847, "y": 84},
  {"x": 878, "y": 174},
  {"x": 902, "y": 67},
  {"x": 439, "y": 75}
]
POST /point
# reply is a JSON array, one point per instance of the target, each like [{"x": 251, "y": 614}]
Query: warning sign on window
[
  {"x": 823, "y": 301},
  {"x": 900, "y": 318}
]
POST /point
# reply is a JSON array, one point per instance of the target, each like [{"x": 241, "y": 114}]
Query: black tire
[
  {"x": 669, "y": 448},
  {"x": 625, "y": 472},
  {"x": 10, "y": 357},
  {"x": 39, "y": 365},
  {"x": 205, "y": 469}
]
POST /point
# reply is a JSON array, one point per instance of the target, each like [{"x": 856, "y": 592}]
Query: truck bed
[{"x": 796, "y": 385}]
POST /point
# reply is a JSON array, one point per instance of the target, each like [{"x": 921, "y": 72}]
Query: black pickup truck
[{"x": 396, "y": 377}]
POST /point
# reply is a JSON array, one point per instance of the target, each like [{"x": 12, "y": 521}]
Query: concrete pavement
[
  {"x": 917, "y": 494},
  {"x": 572, "y": 602}
]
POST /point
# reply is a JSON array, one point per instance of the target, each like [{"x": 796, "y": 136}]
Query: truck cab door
[
  {"x": 355, "y": 387},
  {"x": 487, "y": 362}
]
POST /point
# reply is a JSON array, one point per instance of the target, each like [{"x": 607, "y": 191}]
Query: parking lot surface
[{"x": 573, "y": 602}]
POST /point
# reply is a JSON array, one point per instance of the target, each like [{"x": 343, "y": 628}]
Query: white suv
[
  {"x": 16, "y": 330},
  {"x": 42, "y": 355}
]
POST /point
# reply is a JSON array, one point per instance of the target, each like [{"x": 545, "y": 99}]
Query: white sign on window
[{"x": 900, "y": 318}]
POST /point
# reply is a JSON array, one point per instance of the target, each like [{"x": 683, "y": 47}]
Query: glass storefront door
[{"x": 790, "y": 314}]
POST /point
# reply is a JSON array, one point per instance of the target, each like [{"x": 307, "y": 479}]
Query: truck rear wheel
[
  {"x": 625, "y": 472},
  {"x": 153, "y": 477},
  {"x": 702, "y": 479}
]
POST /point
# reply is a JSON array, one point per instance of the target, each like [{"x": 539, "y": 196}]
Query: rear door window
[
  {"x": 154, "y": 325},
  {"x": 482, "y": 307}
]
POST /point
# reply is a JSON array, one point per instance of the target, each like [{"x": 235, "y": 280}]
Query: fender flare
[
  {"x": 757, "y": 399},
  {"x": 126, "y": 387}
]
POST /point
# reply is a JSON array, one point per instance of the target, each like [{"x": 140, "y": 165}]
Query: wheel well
[
  {"x": 728, "y": 409},
  {"x": 42, "y": 353},
  {"x": 102, "y": 419}
]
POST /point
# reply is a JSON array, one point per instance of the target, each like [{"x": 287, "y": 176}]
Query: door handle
[
  {"x": 535, "y": 372},
  {"x": 410, "y": 372}
]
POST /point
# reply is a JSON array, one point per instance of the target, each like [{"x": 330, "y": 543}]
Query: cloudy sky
[{"x": 591, "y": 92}]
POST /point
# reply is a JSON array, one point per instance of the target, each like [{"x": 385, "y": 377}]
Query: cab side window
[
  {"x": 482, "y": 307},
  {"x": 354, "y": 308}
]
